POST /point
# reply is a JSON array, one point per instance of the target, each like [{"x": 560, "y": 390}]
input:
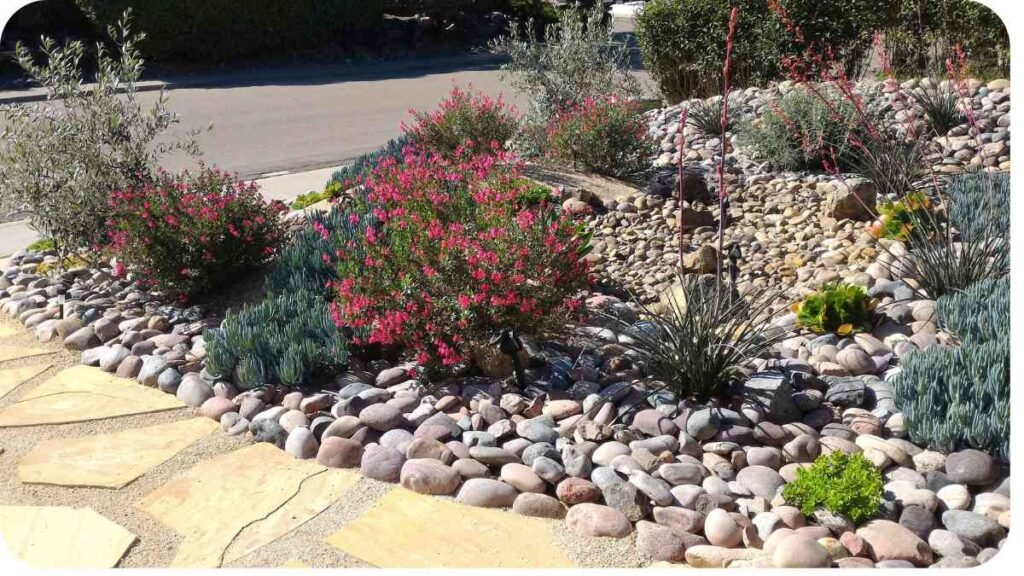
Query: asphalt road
[{"x": 323, "y": 119}]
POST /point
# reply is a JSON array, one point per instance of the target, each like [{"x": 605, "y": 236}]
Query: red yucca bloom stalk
[
  {"x": 682, "y": 181},
  {"x": 733, "y": 16}
]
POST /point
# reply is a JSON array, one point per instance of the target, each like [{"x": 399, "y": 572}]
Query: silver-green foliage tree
[{"x": 61, "y": 158}]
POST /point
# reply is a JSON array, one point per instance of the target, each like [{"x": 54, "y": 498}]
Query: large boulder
[{"x": 852, "y": 199}]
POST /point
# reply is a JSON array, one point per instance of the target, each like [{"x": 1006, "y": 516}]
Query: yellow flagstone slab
[
  {"x": 211, "y": 503},
  {"x": 19, "y": 352},
  {"x": 110, "y": 460},
  {"x": 83, "y": 393},
  {"x": 316, "y": 494},
  {"x": 6, "y": 331},
  {"x": 410, "y": 530},
  {"x": 11, "y": 378},
  {"x": 62, "y": 537}
]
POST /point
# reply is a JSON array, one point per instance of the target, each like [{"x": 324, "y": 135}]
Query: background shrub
[
  {"x": 683, "y": 41},
  {"x": 579, "y": 58},
  {"x": 458, "y": 249},
  {"x": 210, "y": 31},
  {"x": 465, "y": 119},
  {"x": 959, "y": 397},
  {"x": 799, "y": 131},
  {"x": 921, "y": 34},
  {"x": 842, "y": 484},
  {"x": 190, "y": 234},
  {"x": 601, "y": 135}
]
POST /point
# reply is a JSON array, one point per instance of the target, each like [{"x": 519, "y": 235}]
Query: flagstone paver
[
  {"x": 83, "y": 393},
  {"x": 63, "y": 537},
  {"x": 110, "y": 460},
  {"x": 315, "y": 495},
  {"x": 19, "y": 352},
  {"x": 410, "y": 530},
  {"x": 259, "y": 485},
  {"x": 11, "y": 378}
]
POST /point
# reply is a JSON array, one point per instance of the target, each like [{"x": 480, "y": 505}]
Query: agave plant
[
  {"x": 707, "y": 118},
  {"x": 941, "y": 107},
  {"x": 947, "y": 254},
  {"x": 709, "y": 333}
]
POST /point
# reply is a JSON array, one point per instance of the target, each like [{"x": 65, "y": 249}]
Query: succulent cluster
[
  {"x": 841, "y": 483},
  {"x": 959, "y": 397},
  {"x": 836, "y": 308}
]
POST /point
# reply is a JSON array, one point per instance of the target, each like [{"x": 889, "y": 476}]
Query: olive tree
[{"x": 61, "y": 158}]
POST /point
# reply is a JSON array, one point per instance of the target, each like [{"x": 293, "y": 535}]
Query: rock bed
[
  {"x": 700, "y": 484},
  {"x": 794, "y": 231},
  {"x": 587, "y": 441}
]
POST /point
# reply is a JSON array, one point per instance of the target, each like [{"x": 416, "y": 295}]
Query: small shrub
[
  {"x": 190, "y": 234},
  {"x": 453, "y": 253},
  {"x": 801, "y": 131},
  {"x": 895, "y": 219},
  {"x": 959, "y": 397},
  {"x": 465, "y": 119},
  {"x": 701, "y": 345},
  {"x": 895, "y": 162},
  {"x": 60, "y": 159},
  {"x": 836, "y": 308},
  {"x": 849, "y": 485},
  {"x": 578, "y": 59},
  {"x": 331, "y": 190},
  {"x": 41, "y": 245},
  {"x": 606, "y": 136},
  {"x": 941, "y": 107}
]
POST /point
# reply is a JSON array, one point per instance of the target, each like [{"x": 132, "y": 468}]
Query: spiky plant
[
  {"x": 941, "y": 107},
  {"x": 706, "y": 118},
  {"x": 700, "y": 346},
  {"x": 895, "y": 163},
  {"x": 948, "y": 254}
]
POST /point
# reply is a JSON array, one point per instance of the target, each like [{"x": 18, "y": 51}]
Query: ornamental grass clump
[
  {"x": 701, "y": 345},
  {"x": 191, "y": 234},
  {"x": 464, "y": 120},
  {"x": 602, "y": 135},
  {"x": 836, "y": 308},
  {"x": 844, "y": 484},
  {"x": 455, "y": 250}
]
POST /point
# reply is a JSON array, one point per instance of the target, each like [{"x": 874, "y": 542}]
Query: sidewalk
[{"x": 17, "y": 235}]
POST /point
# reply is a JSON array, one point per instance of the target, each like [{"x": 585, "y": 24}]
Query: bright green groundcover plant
[
  {"x": 842, "y": 484},
  {"x": 838, "y": 308}
]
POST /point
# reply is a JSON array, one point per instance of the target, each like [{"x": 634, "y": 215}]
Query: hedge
[{"x": 211, "y": 31}]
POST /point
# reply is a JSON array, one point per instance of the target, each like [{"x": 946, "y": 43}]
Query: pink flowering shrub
[
  {"x": 189, "y": 234},
  {"x": 601, "y": 135},
  {"x": 455, "y": 249},
  {"x": 465, "y": 119}
]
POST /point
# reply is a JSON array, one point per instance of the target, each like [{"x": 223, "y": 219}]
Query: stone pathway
[
  {"x": 409, "y": 530},
  {"x": 62, "y": 537},
  {"x": 226, "y": 506}
]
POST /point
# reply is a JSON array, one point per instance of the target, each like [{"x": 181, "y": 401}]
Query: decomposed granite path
[{"x": 100, "y": 472}]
